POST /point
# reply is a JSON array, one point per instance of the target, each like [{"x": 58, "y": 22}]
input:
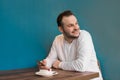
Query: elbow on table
[{"x": 79, "y": 68}]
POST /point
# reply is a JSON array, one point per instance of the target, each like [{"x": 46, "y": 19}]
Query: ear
[{"x": 60, "y": 29}]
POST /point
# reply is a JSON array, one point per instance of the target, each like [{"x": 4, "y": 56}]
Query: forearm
[
  {"x": 75, "y": 65},
  {"x": 50, "y": 61}
]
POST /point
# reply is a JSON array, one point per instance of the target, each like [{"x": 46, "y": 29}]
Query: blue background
[{"x": 28, "y": 27}]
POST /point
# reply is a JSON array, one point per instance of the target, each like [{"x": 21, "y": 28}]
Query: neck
[{"x": 69, "y": 40}]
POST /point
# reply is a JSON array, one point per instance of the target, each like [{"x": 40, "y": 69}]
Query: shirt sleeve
[
  {"x": 84, "y": 50},
  {"x": 52, "y": 56}
]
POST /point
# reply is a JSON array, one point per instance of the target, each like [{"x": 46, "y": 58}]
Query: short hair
[{"x": 61, "y": 15}]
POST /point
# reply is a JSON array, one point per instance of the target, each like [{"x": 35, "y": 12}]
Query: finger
[
  {"x": 54, "y": 66},
  {"x": 44, "y": 62},
  {"x": 40, "y": 64},
  {"x": 44, "y": 67}
]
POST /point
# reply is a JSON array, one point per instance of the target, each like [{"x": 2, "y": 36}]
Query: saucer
[{"x": 50, "y": 73}]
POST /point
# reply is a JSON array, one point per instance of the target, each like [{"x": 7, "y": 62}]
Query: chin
[{"x": 77, "y": 35}]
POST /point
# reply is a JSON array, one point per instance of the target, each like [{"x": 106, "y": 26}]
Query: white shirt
[{"x": 76, "y": 56}]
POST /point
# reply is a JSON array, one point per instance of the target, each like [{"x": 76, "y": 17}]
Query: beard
[{"x": 70, "y": 36}]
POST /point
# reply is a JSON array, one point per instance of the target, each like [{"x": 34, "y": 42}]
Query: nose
[{"x": 76, "y": 26}]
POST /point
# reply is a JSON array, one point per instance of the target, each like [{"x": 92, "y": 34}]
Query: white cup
[{"x": 45, "y": 72}]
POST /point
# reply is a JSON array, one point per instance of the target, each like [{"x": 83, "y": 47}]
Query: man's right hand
[{"x": 42, "y": 65}]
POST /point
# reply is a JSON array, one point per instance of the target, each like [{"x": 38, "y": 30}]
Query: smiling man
[{"x": 72, "y": 50}]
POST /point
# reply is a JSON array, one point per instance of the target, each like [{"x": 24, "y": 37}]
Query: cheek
[
  {"x": 71, "y": 29},
  {"x": 68, "y": 29}
]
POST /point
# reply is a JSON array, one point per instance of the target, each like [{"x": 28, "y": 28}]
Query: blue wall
[{"x": 28, "y": 27}]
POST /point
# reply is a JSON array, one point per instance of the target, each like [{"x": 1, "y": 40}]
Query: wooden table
[{"x": 29, "y": 74}]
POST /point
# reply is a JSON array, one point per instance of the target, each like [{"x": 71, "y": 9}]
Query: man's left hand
[{"x": 56, "y": 64}]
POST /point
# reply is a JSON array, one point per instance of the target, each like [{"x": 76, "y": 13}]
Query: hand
[
  {"x": 56, "y": 64},
  {"x": 42, "y": 65}
]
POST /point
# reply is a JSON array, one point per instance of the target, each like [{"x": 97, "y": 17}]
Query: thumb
[{"x": 44, "y": 62}]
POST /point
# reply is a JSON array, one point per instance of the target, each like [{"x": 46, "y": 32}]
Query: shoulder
[
  {"x": 84, "y": 35},
  {"x": 84, "y": 32},
  {"x": 59, "y": 38}
]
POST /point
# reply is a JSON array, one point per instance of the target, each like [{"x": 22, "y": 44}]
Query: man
[{"x": 73, "y": 50}]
